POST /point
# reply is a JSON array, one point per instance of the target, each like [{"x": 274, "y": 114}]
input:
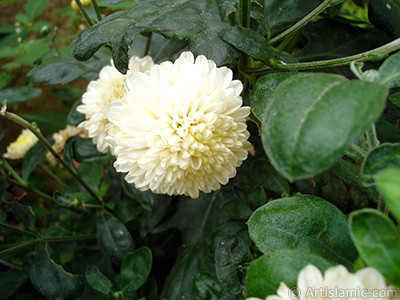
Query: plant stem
[
  {"x": 57, "y": 239},
  {"x": 303, "y": 21},
  {"x": 9, "y": 227},
  {"x": 84, "y": 13},
  {"x": 244, "y": 13},
  {"x": 148, "y": 44},
  {"x": 20, "y": 247},
  {"x": 96, "y": 9},
  {"x": 368, "y": 55},
  {"x": 17, "y": 119},
  {"x": 10, "y": 265},
  {"x": 13, "y": 173},
  {"x": 372, "y": 138}
]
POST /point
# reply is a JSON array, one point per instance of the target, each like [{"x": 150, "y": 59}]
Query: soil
[{"x": 46, "y": 102}]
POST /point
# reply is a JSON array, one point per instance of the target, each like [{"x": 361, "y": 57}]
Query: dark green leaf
[
  {"x": 266, "y": 176},
  {"x": 197, "y": 219},
  {"x": 350, "y": 174},
  {"x": 196, "y": 21},
  {"x": 75, "y": 117},
  {"x": 251, "y": 43},
  {"x": 267, "y": 272},
  {"x": 312, "y": 119},
  {"x": 10, "y": 281},
  {"x": 335, "y": 191},
  {"x": 387, "y": 132},
  {"x": 32, "y": 158},
  {"x": 63, "y": 70},
  {"x": 25, "y": 213},
  {"x": 98, "y": 281},
  {"x": 388, "y": 181},
  {"x": 51, "y": 280},
  {"x": 149, "y": 290},
  {"x": 385, "y": 15},
  {"x": 207, "y": 287},
  {"x": 281, "y": 13},
  {"x": 135, "y": 268},
  {"x": 303, "y": 222},
  {"x": 378, "y": 242},
  {"x": 70, "y": 199},
  {"x": 147, "y": 199},
  {"x": 395, "y": 98},
  {"x": 67, "y": 92},
  {"x": 263, "y": 90},
  {"x": 48, "y": 122},
  {"x": 382, "y": 157},
  {"x": 113, "y": 237},
  {"x": 230, "y": 254},
  {"x": 85, "y": 150},
  {"x": 35, "y": 7},
  {"x": 18, "y": 95},
  {"x": 262, "y": 21}
]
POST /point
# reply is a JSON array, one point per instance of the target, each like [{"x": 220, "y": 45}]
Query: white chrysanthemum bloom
[
  {"x": 180, "y": 128},
  {"x": 61, "y": 137},
  {"x": 99, "y": 95},
  {"x": 21, "y": 145},
  {"x": 337, "y": 283}
]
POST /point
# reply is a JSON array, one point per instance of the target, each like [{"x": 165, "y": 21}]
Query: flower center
[{"x": 182, "y": 126}]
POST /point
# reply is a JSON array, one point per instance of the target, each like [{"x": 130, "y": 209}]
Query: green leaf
[
  {"x": 206, "y": 286},
  {"x": 395, "y": 98},
  {"x": 268, "y": 271},
  {"x": 19, "y": 95},
  {"x": 385, "y": 15},
  {"x": 249, "y": 42},
  {"x": 303, "y": 222},
  {"x": 84, "y": 149},
  {"x": 382, "y": 157},
  {"x": 113, "y": 237},
  {"x": 378, "y": 242},
  {"x": 230, "y": 254},
  {"x": 25, "y": 213},
  {"x": 388, "y": 181},
  {"x": 135, "y": 269},
  {"x": 63, "y": 70},
  {"x": 114, "y": 1},
  {"x": 350, "y": 174},
  {"x": 281, "y": 13},
  {"x": 198, "y": 22},
  {"x": 51, "y": 280},
  {"x": 35, "y": 7},
  {"x": 389, "y": 71},
  {"x": 312, "y": 119},
  {"x": 262, "y": 21},
  {"x": 48, "y": 122},
  {"x": 67, "y": 92},
  {"x": 75, "y": 117},
  {"x": 263, "y": 90},
  {"x": 149, "y": 290},
  {"x": 32, "y": 158},
  {"x": 10, "y": 282},
  {"x": 98, "y": 281}
]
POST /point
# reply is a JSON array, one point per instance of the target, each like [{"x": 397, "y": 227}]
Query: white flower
[
  {"x": 100, "y": 93},
  {"x": 21, "y": 145},
  {"x": 61, "y": 137},
  {"x": 337, "y": 283},
  {"x": 180, "y": 128}
]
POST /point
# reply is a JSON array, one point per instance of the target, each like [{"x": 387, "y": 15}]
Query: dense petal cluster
[
  {"x": 17, "y": 149},
  {"x": 337, "y": 283},
  {"x": 180, "y": 128},
  {"x": 99, "y": 95},
  {"x": 61, "y": 137}
]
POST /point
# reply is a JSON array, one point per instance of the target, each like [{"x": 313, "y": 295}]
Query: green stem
[
  {"x": 244, "y": 13},
  {"x": 84, "y": 13},
  {"x": 10, "y": 265},
  {"x": 57, "y": 239},
  {"x": 20, "y": 247},
  {"x": 148, "y": 44},
  {"x": 303, "y": 21},
  {"x": 13, "y": 173},
  {"x": 16, "y": 229},
  {"x": 17, "y": 119},
  {"x": 365, "y": 56},
  {"x": 372, "y": 138},
  {"x": 96, "y": 9}
]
